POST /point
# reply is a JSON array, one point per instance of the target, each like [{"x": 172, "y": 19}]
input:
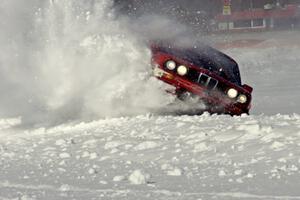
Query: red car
[{"x": 204, "y": 72}]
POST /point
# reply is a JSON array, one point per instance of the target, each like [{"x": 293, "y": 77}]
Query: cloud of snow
[{"x": 74, "y": 59}]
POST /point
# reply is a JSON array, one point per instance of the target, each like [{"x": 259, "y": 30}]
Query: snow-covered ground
[
  {"x": 154, "y": 157},
  {"x": 144, "y": 156}
]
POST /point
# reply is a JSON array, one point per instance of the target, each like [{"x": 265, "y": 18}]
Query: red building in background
[{"x": 258, "y": 14}]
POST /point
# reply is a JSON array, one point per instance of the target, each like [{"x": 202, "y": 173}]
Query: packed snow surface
[
  {"x": 76, "y": 120},
  {"x": 154, "y": 157}
]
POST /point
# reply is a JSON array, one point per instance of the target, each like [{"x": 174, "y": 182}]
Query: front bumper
[{"x": 215, "y": 101}]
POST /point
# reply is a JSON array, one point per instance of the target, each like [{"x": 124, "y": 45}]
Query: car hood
[{"x": 202, "y": 56}]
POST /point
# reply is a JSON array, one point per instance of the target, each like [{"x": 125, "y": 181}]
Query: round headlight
[
  {"x": 171, "y": 65},
  {"x": 242, "y": 98},
  {"x": 182, "y": 70},
  {"x": 232, "y": 93}
]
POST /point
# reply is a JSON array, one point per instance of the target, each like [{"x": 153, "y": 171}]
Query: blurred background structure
[{"x": 220, "y": 15}]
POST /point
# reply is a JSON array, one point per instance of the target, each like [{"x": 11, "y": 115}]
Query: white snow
[
  {"x": 222, "y": 173},
  {"x": 267, "y": 157},
  {"x": 112, "y": 145},
  {"x": 175, "y": 172},
  {"x": 64, "y": 155},
  {"x": 232, "y": 158},
  {"x": 138, "y": 177},
  {"x": 118, "y": 178},
  {"x": 130, "y": 156},
  {"x": 146, "y": 145},
  {"x": 64, "y": 188},
  {"x": 10, "y": 122}
]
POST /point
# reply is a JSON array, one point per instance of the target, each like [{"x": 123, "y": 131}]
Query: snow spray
[{"x": 63, "y": 60}]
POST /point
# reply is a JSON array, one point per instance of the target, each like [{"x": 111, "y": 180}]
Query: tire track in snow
[{"x": 69, "y": 188}]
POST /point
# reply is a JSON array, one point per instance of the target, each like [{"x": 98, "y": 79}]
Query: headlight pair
[
  {"x": 233, "y": 93},
  {"x": 181, "y": 69}
]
